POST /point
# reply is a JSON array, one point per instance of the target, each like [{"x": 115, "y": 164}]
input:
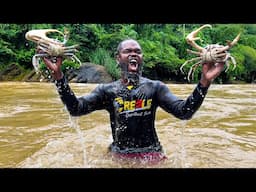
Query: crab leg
[
  {"x": 72, "y": 56},
  {"x": 233, "y": 61},
  {"x": 192, "y": 70},
  {"x": 194, "y": 59},
  {"x": 194, "y": 52}
]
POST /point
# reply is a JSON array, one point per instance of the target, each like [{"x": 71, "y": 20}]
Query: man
[{"x": 132, "y": 102}]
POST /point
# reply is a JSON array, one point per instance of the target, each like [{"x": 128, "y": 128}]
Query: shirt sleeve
[
  {"x": 182, "y": 109},
  {"x": 79, "y": 105}
]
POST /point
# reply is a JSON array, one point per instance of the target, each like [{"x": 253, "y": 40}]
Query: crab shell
[{"x": 49, "y": 46}]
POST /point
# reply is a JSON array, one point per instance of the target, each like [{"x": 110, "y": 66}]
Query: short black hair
[{"x": 119, "y": 47}]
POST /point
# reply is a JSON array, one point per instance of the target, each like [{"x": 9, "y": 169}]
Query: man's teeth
[{"x": 133, "y": 61}]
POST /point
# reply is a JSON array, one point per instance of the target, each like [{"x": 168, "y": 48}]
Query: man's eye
[
  {"x": 126, "y": 51},
  {"x": 129, "y": 51}
]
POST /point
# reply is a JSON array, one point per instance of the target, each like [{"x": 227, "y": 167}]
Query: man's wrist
[
  {"x": 204, "y": 82},
  {"x": 58, "y": 75}
]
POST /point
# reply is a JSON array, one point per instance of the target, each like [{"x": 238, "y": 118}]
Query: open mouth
[{"x": 133, "y": 65}]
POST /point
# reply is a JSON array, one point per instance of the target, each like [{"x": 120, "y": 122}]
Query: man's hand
[
  {"x": 210, "y": 71},
  {"x": 53, "y": 64},
  {"x": 54, "y": 67}
]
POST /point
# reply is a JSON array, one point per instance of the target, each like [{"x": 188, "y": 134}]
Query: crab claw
[
  {"x": 41, "y": 34},
  {"x": 191, "y": 37},
  {"x": 231, "y": 44}
]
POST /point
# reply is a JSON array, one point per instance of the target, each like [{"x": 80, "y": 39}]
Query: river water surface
[{"x": 36, "y": 131}]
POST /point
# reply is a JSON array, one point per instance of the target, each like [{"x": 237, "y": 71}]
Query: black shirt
[{"x": 132, "y": 110}]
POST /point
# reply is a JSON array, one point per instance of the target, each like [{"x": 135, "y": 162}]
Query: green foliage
[
  {"x": 222, "y": 33},
  {"x": 249, "y": 58},
  {"x": 164, "y": 46},
  {"x": 6, "y": 54},
  {"x": 99, "y": 56},
  {"x": 24, "y": 57},
  {"x": 157, "y": 54},
  {"x": 102, "y": 57},
  {"x": 249, "y": 40},
  {"x": 66, "y": 65},
  {"x": 110, "y": 41},
  {"x": 250, "y": 29}
]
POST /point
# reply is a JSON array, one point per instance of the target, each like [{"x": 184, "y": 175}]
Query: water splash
[
  {"x": 74, "y": 124},
  {"x": 179, "y": 157}
]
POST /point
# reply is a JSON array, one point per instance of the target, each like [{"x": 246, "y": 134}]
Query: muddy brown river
[{"x": 36, "y": 130}]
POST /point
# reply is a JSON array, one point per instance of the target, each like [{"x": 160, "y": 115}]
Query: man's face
[{"x": 130, "y": 55}]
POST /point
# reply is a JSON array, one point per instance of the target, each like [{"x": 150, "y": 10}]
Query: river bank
[{"x": 87, "y": 73}]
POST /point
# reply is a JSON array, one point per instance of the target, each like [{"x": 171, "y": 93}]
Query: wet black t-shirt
[{"x": 132, "y": 110}]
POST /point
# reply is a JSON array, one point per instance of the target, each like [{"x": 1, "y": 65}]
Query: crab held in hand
[
  {"x": 49, "y": 47},
  {"x": 212, "y": 53}
]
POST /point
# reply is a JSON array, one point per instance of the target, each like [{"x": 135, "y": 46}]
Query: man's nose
[
  {"x": 133, "y": 53},
  {"x": 131, "y": 56}
]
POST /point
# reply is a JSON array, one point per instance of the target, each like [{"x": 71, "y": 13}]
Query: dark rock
[
  {"x": 11, "y": 72},
  {"x": 89, "y": 73}
]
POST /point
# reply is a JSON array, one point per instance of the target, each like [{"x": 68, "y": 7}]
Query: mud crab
[
  {"x": 50, "y": 47},
  {"x": 212, "y": 53}
]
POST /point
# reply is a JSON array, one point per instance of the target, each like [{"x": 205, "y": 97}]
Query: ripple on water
[{"x": 221, "y": 134}]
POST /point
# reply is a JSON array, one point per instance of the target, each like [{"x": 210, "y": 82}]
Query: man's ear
[{"x": 117, "y": 58}]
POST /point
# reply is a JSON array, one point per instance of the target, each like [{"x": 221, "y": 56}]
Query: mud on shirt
[{"x": 132, "y": 110}]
